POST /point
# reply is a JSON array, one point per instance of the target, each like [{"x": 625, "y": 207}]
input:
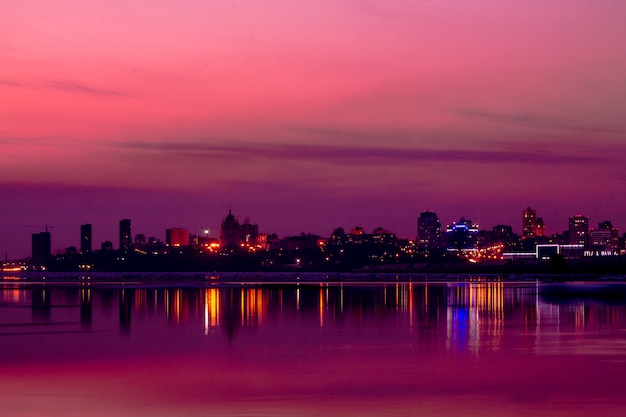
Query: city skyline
[
  {"x": 305, "y": 117},
  {"x": 427, "y": 226}
]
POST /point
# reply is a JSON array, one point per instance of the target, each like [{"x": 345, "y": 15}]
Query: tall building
[
  {"x": 605, "y": 236},
  {"x": 532, "y": 226},
  {"x": 177, "y": 236},
  {"x": 230, "y": 233},
  {"x": 125, "y": 236},
  {"x": 85, "y": 238},
  {"x": 578, "y": 230},
  {"x": 41, "y": 248},
  {"x": 461, "y": 235},
  {"x": 428, "y": 230}
]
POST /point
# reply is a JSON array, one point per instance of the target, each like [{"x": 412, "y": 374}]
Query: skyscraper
[
  {"x": 532, "y": 226},
  {"x": 40, "y": 248},
  {"x": 428, "y": 230},
  {"x": 125, "y": 239},
  {"x": 85, "y": 238},
  {"x": 461, "y": 235},
  {"x": 230, "y": 233},
  {"x": 578, "y": 230}
]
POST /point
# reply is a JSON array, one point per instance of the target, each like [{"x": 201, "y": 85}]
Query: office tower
[
  {"x": 461, "y": 235},
  {"x": 230, "y": 233},
  {"x": 125, "y": 239},
  {"x": 177, "y": 236},
  {"x": 107, "y": 246},
  {"x": 605, "y": 237},
  {"x": 532, "y": 226},
  {"x": 428, "y": 230},
  {"x": 85, "y": 238},
  {"x": 40, "y": 248},
  {"x": 578, "y": 230}
]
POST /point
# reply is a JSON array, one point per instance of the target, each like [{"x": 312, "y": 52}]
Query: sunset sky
[{"x": 306, "y": 116}]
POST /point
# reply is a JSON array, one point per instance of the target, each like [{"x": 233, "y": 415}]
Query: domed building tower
[{"x": 230, "y": 233}]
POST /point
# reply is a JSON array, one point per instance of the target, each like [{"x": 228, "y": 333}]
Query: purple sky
[{"x": 305, "y": 117}]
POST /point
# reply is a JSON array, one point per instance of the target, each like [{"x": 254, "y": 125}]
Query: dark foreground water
[{"x": 480, "y": 348}]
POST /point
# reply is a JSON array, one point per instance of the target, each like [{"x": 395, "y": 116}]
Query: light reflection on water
[{"x": 311, "y": 349}]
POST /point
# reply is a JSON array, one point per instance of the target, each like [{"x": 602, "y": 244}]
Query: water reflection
[{"x": 465, "y": 316}]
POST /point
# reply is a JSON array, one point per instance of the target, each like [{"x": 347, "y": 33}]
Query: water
[{"x": 206, "y": 348}]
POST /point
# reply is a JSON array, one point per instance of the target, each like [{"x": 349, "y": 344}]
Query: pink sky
[{"x": 310, "y": 116}]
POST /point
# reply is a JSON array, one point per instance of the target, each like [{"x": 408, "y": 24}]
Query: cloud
[
  {"x": 75, "y": 87},
  {"x": 355, "y": 155},
  {"x": 532, "y": 121},
  {"x": 10, "y": 83}
]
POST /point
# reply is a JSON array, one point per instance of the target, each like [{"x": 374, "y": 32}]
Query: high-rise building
[
  {"x": 177, "y": 236},
  {"x": 461, "y": 235},
  {"x": 605, "y": 236},
  {"x": 125, "y": 236},
  {"x": 230, "y": 232},
  {"x": 41, "y": 248},
  {"x": 428, "y": 230},
  {"x": 532, "y": 226},
  {"x": 85, "y": 238},
  {"x": 578, "y": 230}
]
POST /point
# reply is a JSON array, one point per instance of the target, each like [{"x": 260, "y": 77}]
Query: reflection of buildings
[
  {"x": 41, "y": 304},
  {"x": 475, "y": 311}
]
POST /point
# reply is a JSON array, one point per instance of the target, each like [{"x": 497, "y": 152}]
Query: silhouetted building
[
  {"x": 177, "y": 236},
  {"x": 125, "y": 239},
  {"x": 428, "y": 230},
  {"x": 140, "y": 239},
  {"x": 578, "y": 230},
  {"x": 85, "y": 238},
  {"x": 461, "y": 235},
  {"x": 504, "y": 234},
  {"x": 532, "y": 226},
  {"x": 40, "y": 248},
  {"x": 107, "y": 246},
  {"x": 605, "y": 237},
  {"x": 249, "y": 233},
  {"x": 230, "y": 233}
]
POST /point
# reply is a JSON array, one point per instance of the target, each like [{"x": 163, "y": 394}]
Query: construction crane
[{"x": 40, "y": 226}]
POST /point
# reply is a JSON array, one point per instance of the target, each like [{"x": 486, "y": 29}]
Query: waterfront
[{"x": 208, "y": 347}]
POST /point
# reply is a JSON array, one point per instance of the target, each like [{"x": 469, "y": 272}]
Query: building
[
  {"x": 578, "y": 230},
  {"x": 461, "y": 235},
  {"x": 249, "y": 233},
  {"x": 605, "y": 237},
  {"x": 177, "y": 236},
  {"x": 230, "y": 233},
  {"x": 428, "y": 230},
  {"x": 85, "y": 238},
  {"x": 41, "y": 248},
  {"x": 125, "y": 239},
  {"x": 532, "y": 226},
  {"x": 107, "y": 246}
]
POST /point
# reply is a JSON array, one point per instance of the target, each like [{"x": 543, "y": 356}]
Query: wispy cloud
[
  {"x": 10, "y": 83},
  {"x": 532, "y": 121},
  {"x": 355, "y": 155},
  {"x": 81, "y": 88}
]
